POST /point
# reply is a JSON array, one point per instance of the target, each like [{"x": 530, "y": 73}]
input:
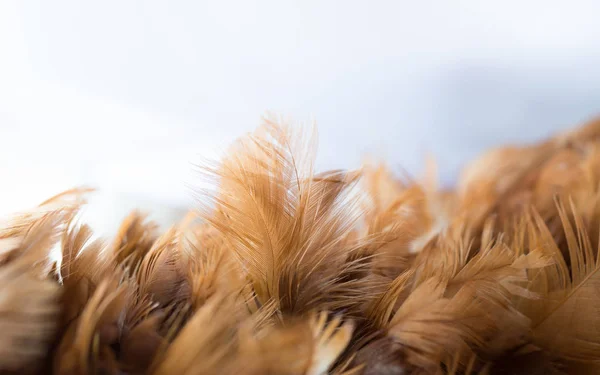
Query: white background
[{"x": 126, "y": 95}]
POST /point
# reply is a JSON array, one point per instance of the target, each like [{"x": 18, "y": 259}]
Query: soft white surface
[{"x": 125, "y": 95}]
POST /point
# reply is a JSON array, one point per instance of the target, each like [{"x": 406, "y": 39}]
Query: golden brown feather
[{"x": 288, "y": 271}]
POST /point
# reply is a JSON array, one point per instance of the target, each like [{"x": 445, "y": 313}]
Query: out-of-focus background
[{"x": 126, "y": 95}]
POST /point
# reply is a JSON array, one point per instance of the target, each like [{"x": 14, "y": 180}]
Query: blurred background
[{"x": 126, "y": 95}]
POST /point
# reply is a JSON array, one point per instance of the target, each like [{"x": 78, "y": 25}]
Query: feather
[
  {"x": 331, "y": 339},
  {"x": 208, "y": 353},
  {"x": 292, "y": 272},
  {"x": 83, "y": 346},
  {"x": 428, "y": 325},
  {"x": 569, "y": 325},
  {"x": 134, "y": 239},
  {"x": 208, "y": 267},
  {"x": 29, "y": 312},
  {"x": 158, "y": 274},
  {"x": 285, "y": 225}
]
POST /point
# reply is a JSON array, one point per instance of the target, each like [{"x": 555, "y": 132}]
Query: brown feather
[{"x": 292, "y": 272}]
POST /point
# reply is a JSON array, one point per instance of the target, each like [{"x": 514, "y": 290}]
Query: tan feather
[
  {"x": 83, "y": 348},
  {"x": 158, "y": 274},
  {"x": 29, "y": 312},
  {"x": 210, "y": 352},
  {"x": 569, "y": 326},
  {"x": 291, "y": 272},
  {"x": 134, "y": 239},
  {"x": 286, "y": 226}
]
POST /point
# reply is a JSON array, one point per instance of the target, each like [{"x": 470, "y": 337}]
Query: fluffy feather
[{"x": 293, "y": 272}]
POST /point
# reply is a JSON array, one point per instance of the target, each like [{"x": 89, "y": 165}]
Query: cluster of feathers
[{"x": 282, "y": 270}]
